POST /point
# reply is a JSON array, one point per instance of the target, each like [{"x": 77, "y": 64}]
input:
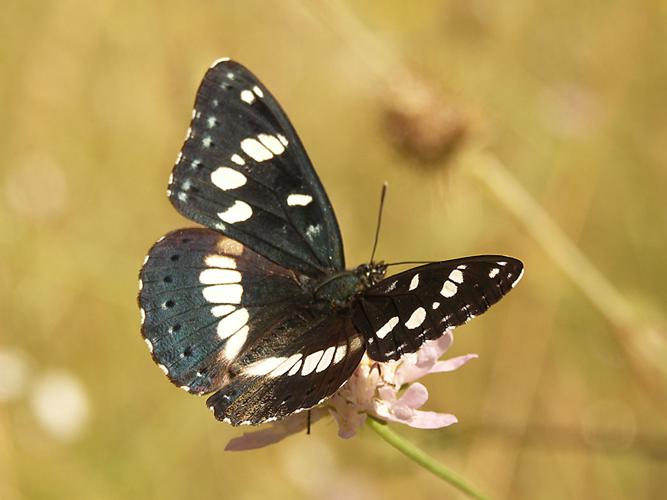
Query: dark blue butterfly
[{"x": 258, "y": 308}]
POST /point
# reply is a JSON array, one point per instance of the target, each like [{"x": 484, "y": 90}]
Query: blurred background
[{"x": 531, "y": 129}]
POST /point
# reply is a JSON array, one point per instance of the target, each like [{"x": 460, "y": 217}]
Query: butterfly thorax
[{"x": 337, "y": 290}]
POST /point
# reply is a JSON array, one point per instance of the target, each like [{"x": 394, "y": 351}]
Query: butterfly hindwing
[
  {"x": 244, "y": 172},
  {"x": 204, "y": 298},
  {"x": 302, "y": 361},
  {"x": 217, "y": 316},
  {"x": 403, "y": 311}
]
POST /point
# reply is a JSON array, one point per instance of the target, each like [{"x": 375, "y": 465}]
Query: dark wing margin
[
  {"x": 401, "y": 312},
  {"x": 244, "y": 172}
]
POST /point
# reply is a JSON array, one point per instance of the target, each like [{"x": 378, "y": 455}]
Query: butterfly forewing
[
  {"x": 244, "y": 172},
  {"x": 403, "y": 311}
]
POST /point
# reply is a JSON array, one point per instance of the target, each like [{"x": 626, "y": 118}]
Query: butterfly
[{"x": 257, "y": 308}]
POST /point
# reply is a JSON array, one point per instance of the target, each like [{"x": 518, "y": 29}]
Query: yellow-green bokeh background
[{"x": 96, "y": 97}]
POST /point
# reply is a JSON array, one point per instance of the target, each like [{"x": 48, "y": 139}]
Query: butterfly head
[{"x": 371, "y": 274}]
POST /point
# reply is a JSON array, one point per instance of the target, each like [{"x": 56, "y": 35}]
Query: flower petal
[
  {"x": 430, "y": 420},
  {"x": 452, "y": 364},
  {"x": 349, "y": 418},
  {"x": 277, "y": 432},
  {"x": 416, "y": 418},
  {"x": 414, "y": 397},
  {"x": 414, "y": 366}
]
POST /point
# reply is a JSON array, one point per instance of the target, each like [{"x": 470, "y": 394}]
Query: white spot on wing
[
  {"x": 461, "y": 267},
  {"x": 223, "y": 294},
  {"x": 217, "y": 276},
  {"x": 222, "y": 310},
  {"x": 235, "y": 343},
  {"x": 258, "y": 91},
  {"x": 263, "y": 366},
  {"x": 341, "y": 350},
  {"x": 327, "y": 357},
  {"x": 227, "y": 178},
  {"x": 282, "y": 139},
  {"x": 255, "y": 150},
  {"x": 238, "y": 212},
  {"x": 516, "y": 281},
  {"x": 231, "y": 324},
  {"x": 310, "y": 363},
  {"x": 218, "y": 61},
  {"x": 456, "y": 276},
  {"x": 141, "y": 285},
  {"x": 416, "y": 318},
  {"x": 494, "y": 272},
  {"x": 143, "y": 315},
  {"x": 387, "y": 328},
  {"x": 272, "y": 143},
  {"x": 449, "y": 289},
  {"x": 221, "y": 261},
  {"x": 414, "y": 283},
  {"x": 295, "y": 369},
  {"x": 313, "y": 231},
  {"x": 435, "y": 305},
  {"x": 247, "y": 96},
  {"x": 207, "y": 141},
  {"x": 502, "y": 263},
  {"x": 163, "y": 368},
  {"x": 150, "y": 345},
  {"x": 299, "y": 199},
  {"x": 238, "y": 160},
  {"x": 211, "y": 121},
  {"x": 286, "y": 366}
]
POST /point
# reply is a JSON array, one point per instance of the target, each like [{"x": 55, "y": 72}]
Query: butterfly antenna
[
  {"x": 405, "y": 262},
  {"x": 308, "y": 423},
  {"x": 379, "y": 223}
]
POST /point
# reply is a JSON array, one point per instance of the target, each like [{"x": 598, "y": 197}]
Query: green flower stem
[{"x": 421, "y": 458}]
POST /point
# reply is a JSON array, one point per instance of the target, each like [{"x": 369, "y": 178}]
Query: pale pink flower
[{"x": 387, "y": 391}]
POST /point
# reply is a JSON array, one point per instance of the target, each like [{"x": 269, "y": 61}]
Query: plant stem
[
  {"x": 641, "y": 340},
  {"x": 421, "y": 458}
]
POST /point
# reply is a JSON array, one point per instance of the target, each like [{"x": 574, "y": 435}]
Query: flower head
[{"x": 387, "y": 391}]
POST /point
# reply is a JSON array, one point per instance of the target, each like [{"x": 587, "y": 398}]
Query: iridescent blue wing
[
  {"x": 218, "y": 316},
  {"x": 400, "y": 313},
  {"x": 244, "y": 172}
]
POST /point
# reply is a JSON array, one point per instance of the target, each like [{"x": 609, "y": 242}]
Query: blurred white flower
[
  {"x": 14, "y": 372},
  {"x": 571, "y": 111},
  {"x": 60, "y": 405},
  {"x": 387, "y": 391}
]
